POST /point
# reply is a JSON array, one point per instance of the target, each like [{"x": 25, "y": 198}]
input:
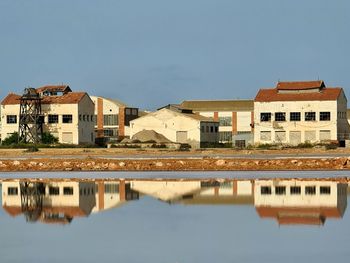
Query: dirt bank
[{"x": 198, "y": 164}]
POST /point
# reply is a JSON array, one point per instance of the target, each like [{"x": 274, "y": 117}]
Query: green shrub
[
  {"x": 305, "y": 145},
  {"x": 331, "y": 146},
  {"x": 11, "y": 140},
  {"x": 48, "y": 138}
]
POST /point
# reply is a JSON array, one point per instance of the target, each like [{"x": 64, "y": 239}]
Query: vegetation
[{"x": 48, "y": 138}]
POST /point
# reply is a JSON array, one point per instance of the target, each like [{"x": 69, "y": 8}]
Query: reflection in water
[{"x": 288, "y": 201}]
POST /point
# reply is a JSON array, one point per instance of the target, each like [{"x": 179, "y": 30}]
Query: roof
[
  {"x": 300, "y": 85},
  {"x": 218, "y": 105},
  {"x": 268, "y": 95},
  {"x": 115, "y": 101},
  {"x": 11, "y": 99},
  {"x": 68, "y": 98},
  {"x": 54, "y": 88}
]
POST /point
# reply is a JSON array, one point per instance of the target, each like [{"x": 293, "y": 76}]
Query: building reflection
[{"x": 288, "y": 201}]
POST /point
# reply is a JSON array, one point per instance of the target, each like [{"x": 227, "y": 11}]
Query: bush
[
  {"x": 305, "y": 145},
  {"x": 11, "y": 140},
  {"x": 331, "y": 146},
  {"x": 31, "y": 149},
  {"x": 48, "y": 138}
]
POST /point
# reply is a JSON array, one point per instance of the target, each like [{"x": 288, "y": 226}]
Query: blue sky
[{"x": 155, "y": 52}]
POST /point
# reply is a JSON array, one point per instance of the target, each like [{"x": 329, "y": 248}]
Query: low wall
[{"x": 201, "y": 164}]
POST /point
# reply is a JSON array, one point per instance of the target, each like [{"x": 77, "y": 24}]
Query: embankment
[{"x": 179, "y": 164}]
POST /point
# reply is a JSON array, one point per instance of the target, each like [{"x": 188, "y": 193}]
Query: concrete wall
[
  {"x": 294, "y": 126},
  {"x": 86, "y": 125}
]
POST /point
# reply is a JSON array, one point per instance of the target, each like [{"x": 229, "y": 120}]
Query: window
[
  {"x": 280, "y": 190},
  {"x": 110, "y": 119},
  {"x": 211, "y": 128},
  {"x": 225, "y": 121},
  {"x": 91, "y": 117},
  {"x": 325, "y": 116},
  {"x": 84, "y": 117},
  {"x": 134, "y": 112},
  {"x": 68, "y": 190},
  {"x": 265, "y": 190},
  {"x": 207, "y": 129},
  {"x": 265, "y": 116},
  {"x": 11, "y": 119},
  {"x": 202, "y": 128},
  {"x": 54, "y": 190},
  {"x": 225, "y": 136},
  {"x": 310, "y": 116},
  {"x": 127, "y": 111},
  {"x": 295, "y": 116},
  {"x": 310, "y": 190},
  {"x": 67, "y": 118},
  {"x": 12, "y": 191},
  {"x": 53, "y": 118},
  {"x": 110, "y": 132},
  {"x": 280, "y": 116},
  {"x": 216, "y": 129},
  {"x": 79, "y": 117},
  {"x": 280, "y": 136},
  {"x": 295, "y": 190},
  {"x": 325, "y": 190},
  {"x": 111, "y": 188}
]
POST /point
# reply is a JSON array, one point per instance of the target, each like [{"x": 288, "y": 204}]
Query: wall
[
  {"x": 289, "y": 126},
  {"x": 86, "y": 127}
]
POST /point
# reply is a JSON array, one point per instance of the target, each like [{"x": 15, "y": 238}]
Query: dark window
[
  {"x": 12, "y": 191},
  {"x": 325, "y": 116},
  {"x": 67, "y": 118},
  {"x": 110, "y": 119},
  {"x": 11, "y": 118},
  {"x": 280, "y": 116},
  {"x": 111, "y": 188},
  {"x": 91, "y": 117},
  {"x": 216, "y": 128},
  {"x": 310, "y": 190},
  {"x": 265, "y": 190},
  {"x": 211, "y": 129},
  {"x": 295, "y": 116},
  {"x": 53, "y": 118},
  {"x": 280, "y": 190},
  {"x": 110, "y": 132},
  {"x": 54, "y": 190},
  {"x": 225, "y": 121},
  {"x": 310, "y": 116},
  {"x": 84, "y": 117},
  {"x": 225, "y": 136},
  {"x": 134, "y": 112},
  {"x": 68, "y": 190},
  {"x": 79, "y": 117},
  {"x": 295, "y": 190},
  {"x": 325, "y": 190},
  {"x": 265, "y": 116}
]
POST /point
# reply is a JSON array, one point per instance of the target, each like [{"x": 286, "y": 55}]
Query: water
[{"x": 178, "y": 217}]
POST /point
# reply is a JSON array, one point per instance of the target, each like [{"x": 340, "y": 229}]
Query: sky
[{"x": 155, "y": 52}]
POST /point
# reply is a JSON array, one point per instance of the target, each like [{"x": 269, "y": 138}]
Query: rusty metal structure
[{"x": 30, "y": 117}]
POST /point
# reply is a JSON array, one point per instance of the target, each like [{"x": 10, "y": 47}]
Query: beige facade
[
  {"x": 299, "y": 114},
  {"x": 68, "y": 116},
  {"x": 112, "y": 118},
  {"x": 190, "y": 128},
  {"x": 235, "y": 117}
]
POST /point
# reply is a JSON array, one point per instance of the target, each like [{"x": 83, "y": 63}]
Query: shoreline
[{"x": 175, "y": 164}]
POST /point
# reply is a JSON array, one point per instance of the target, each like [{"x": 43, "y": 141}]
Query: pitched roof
[
  {"x": 54, "y": 88},
  {"x": 268, "y": 95},
  {"x": 218, "y": 105},
  {"x": 68, "y": 98},
  {"x": 11, "y": 99},
  {"x": 300, "y": 85}
]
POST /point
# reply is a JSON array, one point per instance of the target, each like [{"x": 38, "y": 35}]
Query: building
[
  {"x": 53, "y": 201},
  {"x": 294, "y": 201},
  {"x": 235, "y": 118},
  {"x": 299, "y": 112},
  {"x": 67, "y": 115},
  {"x": 112, "y": 118},
  {"x": 178, "y": 126}
]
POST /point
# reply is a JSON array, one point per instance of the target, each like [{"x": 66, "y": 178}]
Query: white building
[
  {"x": 112, "y": 118},
  {"x": 179, "y": 127},
  {"x": 294, "y": 201},
  {"x": 67, "y": 115},
  {"x": 298, "y": 112},
  {"x": 235, "y": 118}
]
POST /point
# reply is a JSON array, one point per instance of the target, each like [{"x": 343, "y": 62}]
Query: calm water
[{"x": 175, "y": 217}]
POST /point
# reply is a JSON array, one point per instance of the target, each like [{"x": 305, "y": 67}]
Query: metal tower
[{"x": 30, "y": 118}]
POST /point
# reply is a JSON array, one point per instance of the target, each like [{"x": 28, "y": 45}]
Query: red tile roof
[
  {"x": 11, "y": 99},
  {"x": 268, "y": 95},
  {"x": 68, "y": 98},
  {"x": 53, "y": 88},
  {"x": 300, "y": 85}
]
